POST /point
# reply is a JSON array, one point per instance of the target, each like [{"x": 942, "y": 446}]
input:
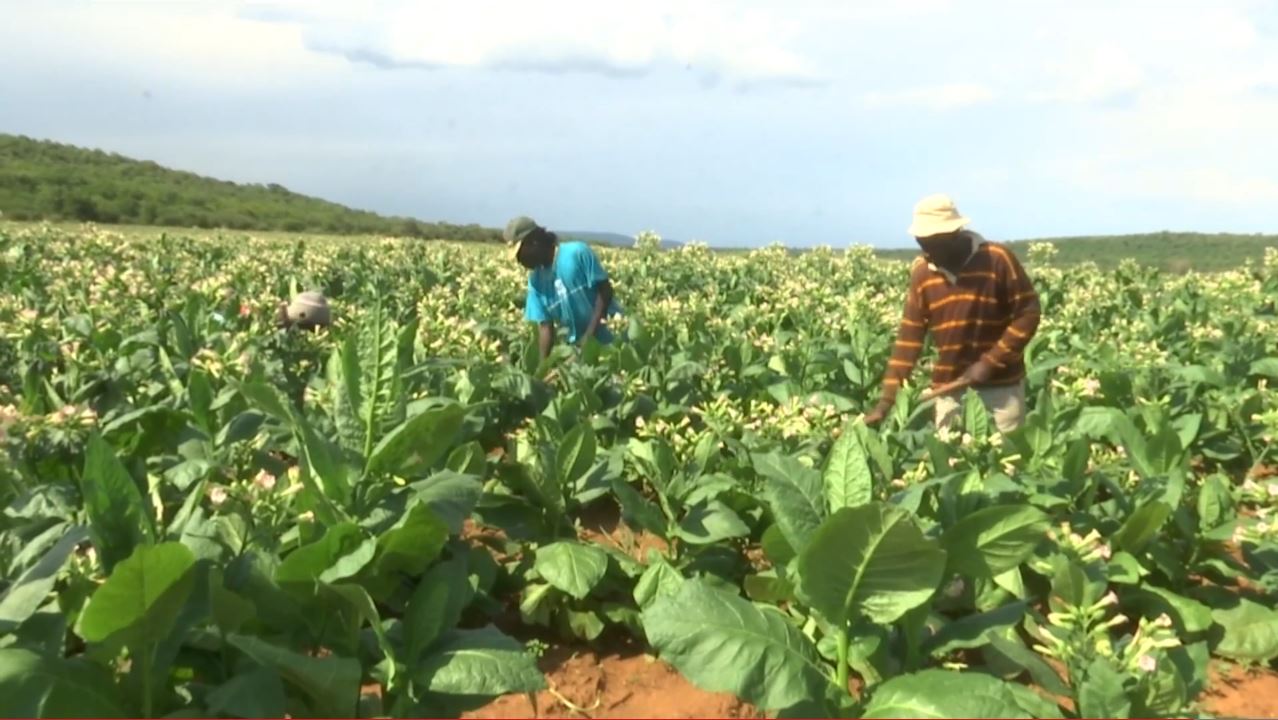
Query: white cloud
[
  {"x": 1094, "y": 52},
  {"x": 1098, "y": 75},
  {"x": 161, "y": 42},
  {"x": 935, "y": 97},
  {"x": 714, "y": 39}
]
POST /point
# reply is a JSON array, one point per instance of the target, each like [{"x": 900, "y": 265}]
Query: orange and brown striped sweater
[{"x": 990, "y": 311}]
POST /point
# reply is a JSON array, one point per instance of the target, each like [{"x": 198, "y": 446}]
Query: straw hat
[{"x": 936, "y": 215}]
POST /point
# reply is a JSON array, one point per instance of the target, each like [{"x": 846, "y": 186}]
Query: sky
[{"x": 736, "y": 123}]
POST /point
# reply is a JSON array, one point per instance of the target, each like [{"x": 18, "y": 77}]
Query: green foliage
[{"x": 203, "y": 515}]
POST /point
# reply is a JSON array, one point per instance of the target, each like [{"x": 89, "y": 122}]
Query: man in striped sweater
[{"x": 981, "y": 308}]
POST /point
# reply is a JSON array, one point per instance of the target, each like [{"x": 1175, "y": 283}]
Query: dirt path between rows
[
  {"x": 631, "y": 684},
  {"x": 623, "y": 681}
]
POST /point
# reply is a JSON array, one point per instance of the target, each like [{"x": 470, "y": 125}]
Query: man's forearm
[
  {"x": 602, "y": 299},
  {"x": 546, "y": 339}
]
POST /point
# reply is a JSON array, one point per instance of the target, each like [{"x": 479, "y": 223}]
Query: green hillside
[{"x": 42, "y": 180}]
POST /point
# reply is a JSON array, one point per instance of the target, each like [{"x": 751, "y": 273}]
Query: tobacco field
[{"x": 204, "y": 516}]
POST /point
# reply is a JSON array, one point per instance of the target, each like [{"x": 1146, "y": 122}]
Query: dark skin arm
[
  {"x": 545, "y": 338},
  {"x": 603, "y": 297}
]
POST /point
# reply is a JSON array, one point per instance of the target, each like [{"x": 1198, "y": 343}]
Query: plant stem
[
  {"x": 1236, "y": 416},
  {"x": 146, "y": 684},
  {"x": 841, "y": 670}
]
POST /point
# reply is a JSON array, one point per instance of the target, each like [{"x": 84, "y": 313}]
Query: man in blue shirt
[{"x": 566, "y": 285}]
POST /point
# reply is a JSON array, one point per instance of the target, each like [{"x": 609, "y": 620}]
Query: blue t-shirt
[{"x": 565, "y": 292}]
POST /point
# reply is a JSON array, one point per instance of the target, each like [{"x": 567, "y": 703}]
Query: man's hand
[
  {"x": 875, "y": 416},
  {"x": 979, "y": 373},
  {"x": 603, "y": 296}
]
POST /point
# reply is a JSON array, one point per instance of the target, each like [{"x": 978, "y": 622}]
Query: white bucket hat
[{"x": 936, "y": 215}]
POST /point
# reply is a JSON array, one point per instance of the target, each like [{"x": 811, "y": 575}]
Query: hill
[
  {"x": 608, "y": 238},
  {"x": 43, "y": 180},
  {"x": 1178, "y": 251}
]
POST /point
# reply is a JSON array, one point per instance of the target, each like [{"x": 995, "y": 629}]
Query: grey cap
[{"x": 309, "y": 309}]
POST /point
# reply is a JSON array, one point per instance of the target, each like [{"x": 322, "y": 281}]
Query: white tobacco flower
[
  {"x": 265, "y": 481},
  {"x": 217, "y": 495}
]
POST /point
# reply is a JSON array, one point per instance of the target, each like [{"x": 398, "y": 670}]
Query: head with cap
[
  {"x": 308, "y": 310},
  {"x": 938, "y": 229},
  {"x": 532, "y": 244}
]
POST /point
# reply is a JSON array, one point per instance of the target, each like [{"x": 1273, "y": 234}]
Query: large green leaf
[
  {"x": 776, "y": 547},
  {"x": 656, "y": 459},
  {"x": 1141, "y": 527},
  {"x": 141, "y": 600},
  {"x": 847, "y": 478},
  {"x": 345, "y": 383},
  {"x": 795, "y": 494},
  {"x": 230, "y": 610},
  {"x": 417, "y": 443},
  {"x": 1189, "y": 615},
  {"x": 723, "y": 643},
  {"x": 478, "y": 662},
  {"x": 1265, "y": 366},
  {"x": 381, "y": 402},
  {"x": 258, "y": 693},
  {"x": 36, "y": 686},
  {"x": 330, "y": 684},
  {"x": 1101, "y": 694},
  {"x": 354, "y": 602},
  {"x": 450, "y": 495},
  {"x": 1251, "y": 632},
  {"x": 945, "y": 694},
  {"x": 572, "y": 567},
  {"x": 1014, "y": 653},
  {"x": 976, "y": 418},
  {"x": 1215, "y": 503},
  {"x": 711, "y": 522},
  {"x": 637, "y": 511},
  {"x": 994, "y": 540},
  {"x": 467, "y": 459},
  {"x": 975, "y": 630},
  {"x": 267, "y": 399},
  {"x": 659, "y": 580},
  {"x": 119, "y": 519},
  {"x": 31, "y": 589},
  {"x": 576, "y": 454},
  {"x": 412, "y": 544},
  {"x": 1101, "y": 422},
  {"x": 435, "y": 606},
  {"x": 870, "y": 561},
  {"x": 341, "y": 553},
  {"x": 200, "y": 393}
]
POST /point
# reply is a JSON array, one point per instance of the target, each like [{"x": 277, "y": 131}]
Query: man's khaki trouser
[{"x": 1006, "y": 403}]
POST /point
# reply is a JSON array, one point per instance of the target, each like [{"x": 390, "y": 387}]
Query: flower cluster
[
  {"x": 1075, "y": 634},
  {"x": 1087, "y": 548}
]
